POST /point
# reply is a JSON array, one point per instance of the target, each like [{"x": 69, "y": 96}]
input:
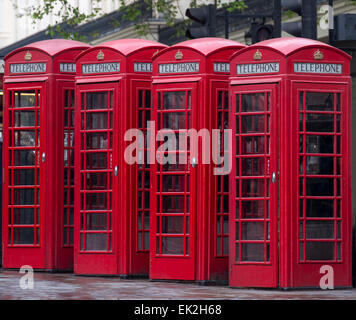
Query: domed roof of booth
[
  {"x": 207, "y": 46},
  {"x": 53, "y": 46},
  {"x": 289, "y": 45},
  {"x": 129, "y": 46}
]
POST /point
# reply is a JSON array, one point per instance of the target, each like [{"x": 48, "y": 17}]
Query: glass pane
[
  {"x": 321, "y": 101},
  {"x": 174, "y": 100},
  {"x": 97, "y": 120},
  {"x": 319, "y": 186},
  {"x": 252, "y": 166},
  {"x": 97, "y": 140},
  {"x": 173, "y": 183},
  {"x": 173, "y": 204},
  {"x": 97, "y": 100},
  {"x": 25, "y": 138},
  {"x": 23, "y": 177},
  {"x": 319, "y": 208},
  {"x": 320, "y": 165},
  {"x": 320, "y": 122},
  {"x": 253, "y": 102},
  {"x": 172, "y": 245},
  {"x": 320, "y": 144},
  {"x": 319, "y": 229},
  {"x": 96, "y": 221},
  {"x": 96, "y": 180},
  {"x": 96, "y": 201},
  {"x": 97, "y": 160},
  {"x": 96, "y": 241},
  {"x": 24, "y": 196},
  {"x": 23, "y": 216},
  {"x": 174, "y": 120},
  {"x": 24, "y": 118},
  {"x": 252, "y": 230},
  {"x": 173, "y": 225},
  {"x": 253, "y": 188},
  {"x": 255, "y": 145},
  {"x": 320, "y": 251},
  {"x": 24, "y": 157},
  {"x": 253, "y": 124},
  {"x": 24, "y": 236},
  {"x": 252, "y": 209},
  {"x": 252, "y": 252},
  {"x": 24, "y": 99}
]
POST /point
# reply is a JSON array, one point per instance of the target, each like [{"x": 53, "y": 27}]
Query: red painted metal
[
  {"x": 296, "y": 93},
  {"x": 38, "y": 181},
  {"x": 113, "y": 92},
  {"x": 189, "y": 205}
]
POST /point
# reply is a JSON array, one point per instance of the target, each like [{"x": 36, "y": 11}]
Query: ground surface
[{"x": 58, "y": 286}]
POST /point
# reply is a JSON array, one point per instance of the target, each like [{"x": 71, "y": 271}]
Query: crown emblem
[
  {"x": 257, "y": 55},
  {"x": 179, "y": 55},
  {"x": 100, "y": 55},
  {"x": 28, "y": 56},
  {"x": 318, "y": 55}
]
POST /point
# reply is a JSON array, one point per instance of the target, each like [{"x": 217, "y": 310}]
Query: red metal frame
[
  {"x": 207, "y": 258},
  {"x": 312, "y": 153},
  {"x": 33, "y": 149},
  {"x": 129, "y": 83}
]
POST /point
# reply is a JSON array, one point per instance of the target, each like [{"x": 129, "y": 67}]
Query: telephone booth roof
[
  {"x": 287, "y": 52},
  {"x": 212, "y": 52},
  {"x": 124, "y": 52},
  {"x": 55, "y": 55}
]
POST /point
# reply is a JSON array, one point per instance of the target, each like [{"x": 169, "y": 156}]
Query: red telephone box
[
  {"x": 113, "y": 90},
  {"x": 38, "y": 155},
  {"x": 290, "y": 222},
  {"x": 190, "y": 209}
]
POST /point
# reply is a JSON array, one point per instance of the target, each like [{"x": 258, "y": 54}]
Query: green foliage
[{"x": 67, "y": 17}]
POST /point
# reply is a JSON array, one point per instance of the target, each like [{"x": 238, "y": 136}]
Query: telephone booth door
[
  {"x": 95, "y": 179},
  {"x": 254, "y": 201},
  {"x": 24, "y": 161},
  {"x": 321, "y": 225},
  {"x": 174, "y": 182}
]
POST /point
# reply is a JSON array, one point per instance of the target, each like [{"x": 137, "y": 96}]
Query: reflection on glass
[
  {"x": 320, "y": 251},
  {"x": 173, "y": 245},
  {"x": 319, "y": 144},
  {"x": 97, "y": 100},
  {"x": 24, "y": 99},
  {"x": 96, "y": 221},
  {"x": 252, "y": 252},
  {"x": 173, "y": 225},
  {"x": 174, "y": 100},
  {"x": 253, "y": 102},
  {"x": 319, "y": 122},
  {"x": 253, "y": 124},
  {"x": 320, "y": 165},
  {"x": 320, "y": 101}
]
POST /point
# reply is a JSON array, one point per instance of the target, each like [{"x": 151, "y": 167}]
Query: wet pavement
[{"x": 60, "y": 286}]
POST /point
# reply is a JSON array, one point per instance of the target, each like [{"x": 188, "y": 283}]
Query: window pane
[
  {"x": 252, "y": 252},
  {"x": 319, "y": 251},
  {"x": 174, "y": 100},
  {"x": 172, "y": 245},
  {"x": 319, "y": 229},
  {"x": 319, "y": 186},
  {"x": 321, "y": 101},
  {"x": 96, "y": 241},
  {"x": 320, "y": 122}
]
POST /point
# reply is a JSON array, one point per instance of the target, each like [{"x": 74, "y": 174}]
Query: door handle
[
  {"x": 116, "y": 171},
  {"x": 194, "y": 162},
  {"x": 43, "y": 157},
  {"x": 273, "y": 177}
]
